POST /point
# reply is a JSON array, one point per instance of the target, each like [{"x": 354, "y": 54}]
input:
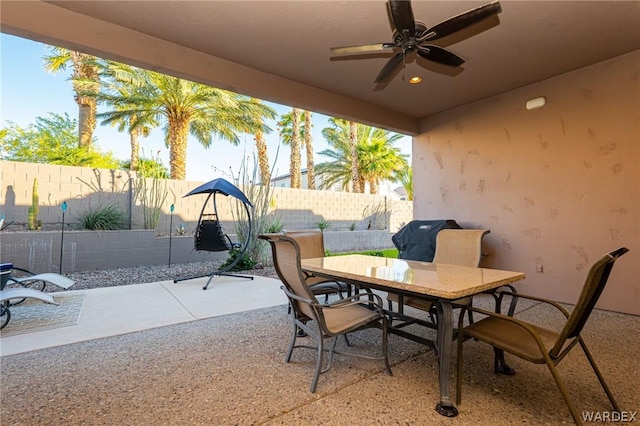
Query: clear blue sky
[{"x": 28, "y": 91}]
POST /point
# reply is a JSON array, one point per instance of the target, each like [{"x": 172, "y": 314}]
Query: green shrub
[
  {"x": 323, "y": 224},
  {"x": 244, "y": 264},
  {"x": 103, "y": 218},
  {"x": 276, "y": 226}
]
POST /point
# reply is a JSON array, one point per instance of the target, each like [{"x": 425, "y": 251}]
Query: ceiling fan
[{"x": 413, "y": 36}]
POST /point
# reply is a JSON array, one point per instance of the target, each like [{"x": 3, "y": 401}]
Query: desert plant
[
  {"x": 244, "y": 264},
  {"x": 352, "y": 226},
  {"x": 102, "y": 218},
  {"x": 275, "y": 226},
  {"x": 380, "y": 213},
  {"x": 261, "y": 198},
  {"x": 151, "y": 191},
  {"x": 106, "y": 191},
  {"x": 323, "y": 224},
  {"x": 34, "y": 210}
]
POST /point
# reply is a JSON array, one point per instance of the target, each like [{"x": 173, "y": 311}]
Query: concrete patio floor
[
  {"x": 165, "y": 353},
  {"x": 111, "y": 311}
]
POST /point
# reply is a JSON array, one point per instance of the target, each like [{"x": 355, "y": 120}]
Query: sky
[{"x": 29, "y": 91}]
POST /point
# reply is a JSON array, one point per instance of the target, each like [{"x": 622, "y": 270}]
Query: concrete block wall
[
  {"x": 303, "y": 208},
  {"x": 93, "y": 250},
  {"x": 83, "y": 188},
  {"x": 345, "y": 241},
  {"x": 56, "y": 184}
]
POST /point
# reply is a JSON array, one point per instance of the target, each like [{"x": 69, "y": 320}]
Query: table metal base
[{"x": 447, "y": 411}]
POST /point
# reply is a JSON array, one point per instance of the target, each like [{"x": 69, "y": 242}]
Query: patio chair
[
  {"x": 323, "y": 321},
  {"x": 311, "y": 244},
  {"x": 539, "y": 345},
  {"x": 461, "y": 247}
]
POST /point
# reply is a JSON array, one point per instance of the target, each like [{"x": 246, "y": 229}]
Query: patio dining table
[{"x": 439, "y": 283}]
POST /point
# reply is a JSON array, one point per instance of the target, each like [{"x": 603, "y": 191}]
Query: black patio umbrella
[{"x": 222, "y": 186}]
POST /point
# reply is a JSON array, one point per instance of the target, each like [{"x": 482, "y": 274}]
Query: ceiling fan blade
[
  {"x": 390, "y": 67},
  {"x": 440, "y": 55},
  {"x": 460, "y": 22},
  {"x": 402, "y": 16},
  {"x": 362, "y": 48}
]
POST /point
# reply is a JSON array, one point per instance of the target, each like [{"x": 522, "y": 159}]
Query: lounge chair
[
  {"x": 17, "y": 285},
  {"x": 19, "y": 294}
]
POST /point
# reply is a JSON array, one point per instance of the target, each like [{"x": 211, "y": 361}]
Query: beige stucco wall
[{"x": 558, "y": 187}]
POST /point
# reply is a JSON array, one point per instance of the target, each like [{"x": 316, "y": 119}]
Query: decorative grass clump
[{"x": 103, "y": 218}]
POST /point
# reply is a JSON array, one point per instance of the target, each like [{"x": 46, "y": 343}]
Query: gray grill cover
[{"x": 417, "y": 239}]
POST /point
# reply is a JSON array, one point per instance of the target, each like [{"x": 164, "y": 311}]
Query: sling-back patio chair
[
  {"x": 539, "y": 345},
  {"x": 322, "y": 321},
  {"x": 462, "y": 247},
  {"x": 311, "y": 244}
]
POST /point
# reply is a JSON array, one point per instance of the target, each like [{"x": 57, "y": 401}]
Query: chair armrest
[
  {"x": 354, "y": 300},
  {"x": 296, "y": 297},
  {"x": 351, "y": 300},
  {"x": 23, "y": 270},
  {"x": 538, "y": 299}
]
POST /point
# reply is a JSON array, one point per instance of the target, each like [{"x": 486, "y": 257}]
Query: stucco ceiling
[{"x": 528, "y": 42}]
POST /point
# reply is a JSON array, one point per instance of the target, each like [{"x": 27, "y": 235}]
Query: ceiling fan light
[{"x": 415, "y": 80}]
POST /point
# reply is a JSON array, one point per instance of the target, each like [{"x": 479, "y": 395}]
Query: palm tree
[
  {"x": 286, "y": 131},
  {"x": 376, "y": 158},
  {"x": 187, "y": 108},
  {"x": 379, "y": 160},
  {"x": 406, "y": 179},
  {"x": 353, "y": 150},
  {"x": 125, "y": 81},
  {"x": 86, "y": 84},
  {"x": 308, "y": 143},
  {"x": 255, "y": 113},
  {"x": 294, "y": 168}
]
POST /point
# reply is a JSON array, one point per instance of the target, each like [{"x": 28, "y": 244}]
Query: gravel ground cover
[{"x": 146, "y": 274}]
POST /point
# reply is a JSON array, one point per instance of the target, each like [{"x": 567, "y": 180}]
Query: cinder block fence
[
  {"x": 351, "y": 216},
  {"x": 91, "y": 250}
]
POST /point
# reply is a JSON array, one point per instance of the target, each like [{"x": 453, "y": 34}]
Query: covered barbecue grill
[{"x": 417, "y": 239}]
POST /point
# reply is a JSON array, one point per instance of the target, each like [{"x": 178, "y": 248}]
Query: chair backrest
[
  {"x": 286, "y": 259},
  {"x": 461, "y": 247},
  {"x": 211, "y": 237},
  {"x": 593, "y": 286},
  {"x": 311, "y": 243}
]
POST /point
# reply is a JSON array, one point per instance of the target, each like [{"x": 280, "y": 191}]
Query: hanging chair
[{"x": 210, "y": 235}]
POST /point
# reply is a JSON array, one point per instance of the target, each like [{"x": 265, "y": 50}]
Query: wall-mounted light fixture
[{"x": 536, "y": 103}]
